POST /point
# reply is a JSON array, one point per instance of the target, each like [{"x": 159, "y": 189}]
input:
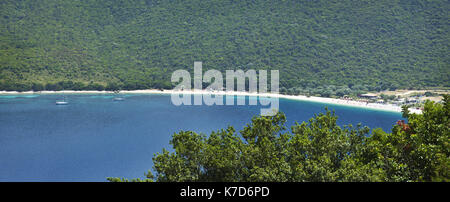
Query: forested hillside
[{"x": 320, "y": 47}]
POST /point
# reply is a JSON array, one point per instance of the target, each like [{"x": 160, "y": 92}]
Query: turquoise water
[{"x": 93, "y": 137}]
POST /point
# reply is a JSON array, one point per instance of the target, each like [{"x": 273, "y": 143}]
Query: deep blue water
[{"x": 93, "y": 137}]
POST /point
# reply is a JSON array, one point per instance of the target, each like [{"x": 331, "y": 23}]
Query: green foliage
[
  {"x": 317, "y": 150},
  {"x": 419, "y": 150},
  {"x": 149, "y": 178},
  {"x": 387, "y": 97},
  {"x": 320, "y": 47}
]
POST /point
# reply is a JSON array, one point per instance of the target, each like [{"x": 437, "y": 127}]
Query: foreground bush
[{"x": 317, "y": 150}]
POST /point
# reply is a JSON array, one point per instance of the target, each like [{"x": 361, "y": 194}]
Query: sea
[{"x": 94, "y": 137}]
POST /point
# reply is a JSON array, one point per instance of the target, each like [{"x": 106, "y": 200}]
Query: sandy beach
[{"x": 352, "y": 103}]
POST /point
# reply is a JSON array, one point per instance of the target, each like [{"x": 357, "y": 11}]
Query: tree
[
  {"x": 317, "y": 150},
  {"x": 418, "y": 150},
  {"x": 37, "y": 87}
]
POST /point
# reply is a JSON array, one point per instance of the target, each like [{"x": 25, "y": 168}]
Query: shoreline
[{"x": 334, "y": 101}]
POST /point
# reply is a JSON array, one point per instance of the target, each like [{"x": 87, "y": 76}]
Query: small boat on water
[
  {"x": 118, "y": 98},
  {"x": 62, "y": 102}
]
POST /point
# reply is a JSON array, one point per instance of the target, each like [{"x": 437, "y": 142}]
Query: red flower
[{"x": 405, "y": 127}]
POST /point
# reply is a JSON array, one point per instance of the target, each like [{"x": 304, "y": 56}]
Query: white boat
[
  {"x": 118, "y": 99},
  {"x": 61, "y": 103}
]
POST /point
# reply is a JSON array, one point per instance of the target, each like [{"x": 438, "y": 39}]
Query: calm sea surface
[{"x": 93, "y": 137}]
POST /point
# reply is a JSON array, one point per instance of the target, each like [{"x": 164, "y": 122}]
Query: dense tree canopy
[
  {"x": 320, "y": 47},
  {"x": 316, "y": 150}
]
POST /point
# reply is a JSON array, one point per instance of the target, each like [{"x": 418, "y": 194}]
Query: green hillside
[{"x": 320, "y": 47}]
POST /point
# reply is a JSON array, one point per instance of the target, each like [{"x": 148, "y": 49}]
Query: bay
[{"x": 94, "y": 137}]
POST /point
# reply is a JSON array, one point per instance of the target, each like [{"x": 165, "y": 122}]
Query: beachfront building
[
  {"x": 370, "y": 96},
  {"x": 412, "y": 100}
]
